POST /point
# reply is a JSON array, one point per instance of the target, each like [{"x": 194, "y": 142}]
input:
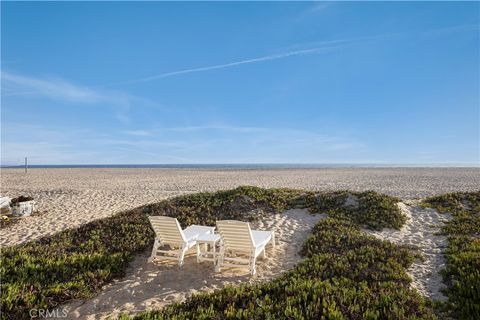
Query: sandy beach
[{"x": 67, "y": 198}]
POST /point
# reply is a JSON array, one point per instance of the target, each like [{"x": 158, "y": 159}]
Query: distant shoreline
[{"x": 237, "y": 166}]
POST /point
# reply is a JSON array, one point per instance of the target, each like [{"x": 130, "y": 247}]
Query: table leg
[
  {"x": 214, "y": 255},
  {"x": 198, "y": 253}
]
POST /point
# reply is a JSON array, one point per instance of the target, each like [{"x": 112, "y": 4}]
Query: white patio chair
[
  {"x": 240, "y": 246},
  {"x": 168, "y": 232}
]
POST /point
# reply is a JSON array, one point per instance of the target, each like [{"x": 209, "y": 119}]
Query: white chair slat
[
  {"x": 237, "y": 237},
  {"x": 169, "y": 232}
]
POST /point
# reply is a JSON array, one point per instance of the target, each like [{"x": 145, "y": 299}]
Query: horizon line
[{"x": 252, "y": 164}]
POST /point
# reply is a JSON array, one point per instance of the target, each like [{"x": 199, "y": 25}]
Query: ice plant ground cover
[
  {"x": 346, "y": 273},
  {"x": 462, "y": 274}
]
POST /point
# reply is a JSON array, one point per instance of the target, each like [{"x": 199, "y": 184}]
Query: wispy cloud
[
  {"x": 54, "y": 88},
  {"x": 190, "y": 129},
  {"x": 59, "y": 89},
  {"x": 138, "y": 133},
  {"x": 318, "y": 7},
  {"x": 261, "y": 137},
  {"x": 193, "y": 144},
  {"x": 312, "y": 10},
  {"x": 57, "y": 145},
  {"x": 341, "y": 43},
  {"x": 216, "y": 127},
  {"x": 451, "y": 29}
]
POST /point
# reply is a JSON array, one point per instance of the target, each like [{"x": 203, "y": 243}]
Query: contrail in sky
[
  {"x": 322, "y": 46},
  {"x": 231, "y": 64}
]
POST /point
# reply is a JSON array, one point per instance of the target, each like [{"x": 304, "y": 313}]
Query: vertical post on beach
[{"x": 26, "y": 165}]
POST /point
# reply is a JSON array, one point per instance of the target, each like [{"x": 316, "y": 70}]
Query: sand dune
[
  {"x": 151, "y": 286},
  {"x": 422, "y": 231}
]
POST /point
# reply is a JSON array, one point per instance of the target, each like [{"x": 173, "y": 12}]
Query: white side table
[{"x": 209, "y": 252}]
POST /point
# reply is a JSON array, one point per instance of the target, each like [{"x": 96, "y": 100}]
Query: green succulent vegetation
[
  {"x": 369, "y": 209},
  {"x": 462, "y": 274},
  {"x": 71, "y": 264},
  {"x": 346, "y": 274}
]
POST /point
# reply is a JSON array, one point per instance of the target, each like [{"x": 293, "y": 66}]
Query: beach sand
[
  {"x": 67, "y": 198},
  {"x": 421, "y": 231},
  {"x": 70, "y": 197}
]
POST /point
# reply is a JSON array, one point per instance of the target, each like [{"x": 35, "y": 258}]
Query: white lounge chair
[
  {"x": 240, "y": 246},
  {"x": 168, "y": 232}
]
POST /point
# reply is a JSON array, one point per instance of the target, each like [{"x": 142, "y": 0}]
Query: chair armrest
[{"x": 261, "y": 238}]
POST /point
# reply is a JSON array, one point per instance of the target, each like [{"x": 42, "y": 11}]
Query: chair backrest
[
  {"x": 167, "y": 229},
  {"x": 236, "y": 235}
]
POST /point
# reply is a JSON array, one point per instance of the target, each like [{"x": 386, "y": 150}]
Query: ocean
[{"x": 235, "y": 166}]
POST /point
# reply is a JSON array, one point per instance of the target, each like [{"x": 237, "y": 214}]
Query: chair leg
[
  {"x": 264, "y": 253},
  {"x": 220, "y": 259},
  {"x": 252, "y": 265},
  {"x": 181, "y": 255},
  {"x": 154, "y": 250},
  {"x": 217, "y": 263},
  {"x": 198, "y": 252}
]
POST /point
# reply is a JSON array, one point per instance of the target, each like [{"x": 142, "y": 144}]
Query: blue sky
[{"x": 124, "y": 83}]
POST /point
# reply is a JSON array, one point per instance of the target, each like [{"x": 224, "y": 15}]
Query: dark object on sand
[{"x": 17, "y": 200}]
